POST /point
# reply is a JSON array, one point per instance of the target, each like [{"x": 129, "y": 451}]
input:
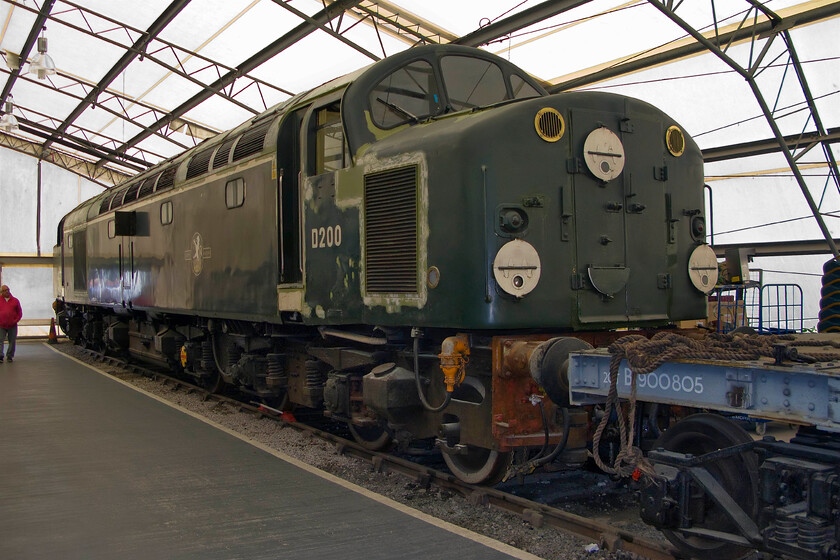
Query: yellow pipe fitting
[{"x": 453, "y": 360}]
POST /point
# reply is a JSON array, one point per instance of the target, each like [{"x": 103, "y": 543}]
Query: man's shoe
[{"x": 10, "y": 359}]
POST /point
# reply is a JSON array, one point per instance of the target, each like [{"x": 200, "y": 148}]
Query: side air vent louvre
[
  {"x": 223, "y": 154},
  {"x": 167, "y": 179},
  {"x": 131, "y": 193},
  {"x": 106, "y": 202},
  {"x": 198, "y": 163},
  {"x": 251, "y": 142},
  {"x": 116, "y": 199},
  {"x": 391, "y": 231},
  {"x": 147, "y": 187}
]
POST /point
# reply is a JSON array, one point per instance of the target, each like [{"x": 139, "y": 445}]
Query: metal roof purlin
[
  {"x": 327, "y": 30},
  {"x": 517, "y": 21},
  {"x": 27, "y": 48},
  {"x": 83, "y": 143},
  {"x": 411, "y": 30},
  {"x": 79, "y": 145},
  {"x": 287, "y": 40},
  {"x": 138, "y": 47},
  {"x": 770, "y": 145}
]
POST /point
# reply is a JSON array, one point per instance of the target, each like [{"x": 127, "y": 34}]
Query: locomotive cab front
[{"x": 470, "y": 203}]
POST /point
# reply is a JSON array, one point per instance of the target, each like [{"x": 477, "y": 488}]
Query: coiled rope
[{"x": 643, "y": 356}]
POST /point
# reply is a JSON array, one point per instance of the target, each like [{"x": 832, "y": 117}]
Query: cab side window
[
  {"x": 330, "y": 151},
  {"x": 521, "y": 88}
]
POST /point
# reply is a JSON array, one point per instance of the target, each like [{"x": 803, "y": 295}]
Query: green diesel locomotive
[{"x": 414, "y": 249}]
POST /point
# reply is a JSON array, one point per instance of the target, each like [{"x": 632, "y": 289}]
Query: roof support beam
[
  {"x": 117, "y": 114},
  {"x": 749, "y": 75},
  {"x": 84, "y": 146},
  {"x": 281, "y": 44},
  {"x": 770, "y": 145},
  {"x": 139, "y": 46},
  {"x": 325, "y": 29},
  {"x": 517, "y": 21},
  {"x": 637, "y": 63},
  {"x": 40, "y": 19},
  {"x": 779, "y": 248},
  {"x": 402, "y": 24},
  {"x": 104, "y": 176}
]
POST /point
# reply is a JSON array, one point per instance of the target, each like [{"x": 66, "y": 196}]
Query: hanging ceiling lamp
[
  {"x": 43, "y": 64},
  {"x": 8, "y": 122}
]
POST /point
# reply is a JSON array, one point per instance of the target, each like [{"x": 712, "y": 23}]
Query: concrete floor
[{"x": 91, "y": 468}]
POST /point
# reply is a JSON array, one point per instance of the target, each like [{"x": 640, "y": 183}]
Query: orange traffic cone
[{"x": 52, "y": 338}]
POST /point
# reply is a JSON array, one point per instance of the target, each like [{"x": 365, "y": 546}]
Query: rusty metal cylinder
[{"x": 549, "y": 365}]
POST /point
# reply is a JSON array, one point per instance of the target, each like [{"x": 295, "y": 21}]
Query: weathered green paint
[{"x": 471, "y": 166}]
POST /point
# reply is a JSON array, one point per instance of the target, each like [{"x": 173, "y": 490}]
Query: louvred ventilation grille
[
  {"x": 131, "y": 194},
  {"x": 167, "y": 179},
  {"x": 147, "y": 187},
  {"x": 223, "y": 153},
  {"x": 251, "y": 142},
  {"x": 198, "y": 163},
  {"x": 391, "y": 231}
]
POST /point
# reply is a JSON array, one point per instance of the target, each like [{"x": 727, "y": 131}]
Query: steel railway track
[{"x": 611, "y": 538}]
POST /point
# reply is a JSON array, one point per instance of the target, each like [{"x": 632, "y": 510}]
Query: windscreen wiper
[{"x": 399, "y": 110}]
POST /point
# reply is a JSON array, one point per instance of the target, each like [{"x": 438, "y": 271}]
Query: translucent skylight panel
[{"x": 308, "y": 63}]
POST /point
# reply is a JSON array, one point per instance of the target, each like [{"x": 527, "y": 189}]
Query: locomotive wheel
[
  {"x": 699, "y": 434},
  {"x": 375, "y": 438},
  {"x": 478, "y": 465},
  {"x": 213, "y": 383}
]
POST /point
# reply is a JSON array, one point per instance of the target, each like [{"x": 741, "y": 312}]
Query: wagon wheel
[
  {"x": 478, "y": 465},
  {"x": 700, "y": 434},
  {"x": 375, "y": 438}
]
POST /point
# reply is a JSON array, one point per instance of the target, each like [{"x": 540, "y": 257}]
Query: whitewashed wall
[{"x": 61, "y": 191}]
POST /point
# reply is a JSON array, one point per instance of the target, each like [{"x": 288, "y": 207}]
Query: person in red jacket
[{"x": 10, "y": 314}]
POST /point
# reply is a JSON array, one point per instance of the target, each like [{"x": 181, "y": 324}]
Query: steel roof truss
[
  {"x": 304, "y": 29},
  {"x": 400, "y": 23},
  {"x": 327, "y": 28},
  {"x": 759, "y": 30},
  {"x": 85, "y": 136},
  {"x": 128, "y": 57},
  {"x": 517, "y": 21},
  {"x": 140, "y": 49},
  {"x": 749, "y": 73},
  {"x": 143, "y": 53},
  {"x": 101, "y": 104},
  {"x": 101, "y": 175}
]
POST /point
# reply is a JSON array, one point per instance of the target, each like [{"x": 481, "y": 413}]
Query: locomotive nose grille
[
  {"x": 549, "y": 124},
  {"x": 675, "y": 140},
  {"x": 391, "y": 231}
]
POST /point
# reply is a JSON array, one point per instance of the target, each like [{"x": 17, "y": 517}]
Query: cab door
[
  {"x": 330, "y": 202},
  {"x": 288, "y": 199}
]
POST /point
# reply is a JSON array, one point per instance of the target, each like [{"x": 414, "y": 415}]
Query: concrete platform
[{"x": 92, "y": 468}]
